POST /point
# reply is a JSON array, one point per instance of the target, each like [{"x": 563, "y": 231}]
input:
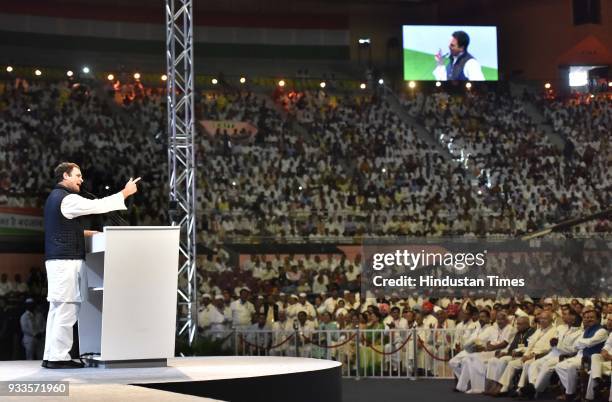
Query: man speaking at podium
[{"x": 65, "y": 255}]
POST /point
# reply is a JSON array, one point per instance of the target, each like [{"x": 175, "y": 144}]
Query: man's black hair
[{"x": 463, "y": 40}]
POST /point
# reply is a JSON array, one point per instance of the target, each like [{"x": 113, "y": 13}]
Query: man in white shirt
[
  {"x": 332, "y": 300},
  {"x": 538, "y": 345},
  {"x": 218, "y": 318},
  {"x": 259, "y": 336},
  {"x": 281, "y": 329},
  {"x": 65, "y": 256},
  {"x": 304, "y": 305},
  {"x": 462, "y": 66},
  {"x": 562, "y": 344},
  {"x": 204, "y": 311},
  {"x": 474, "y": 366},
  {"x": 242, "y": 310},
  {"x": 32, "y": 331},
  {"x": 464, "y": 329},
  {"x": 471, "y": 345},
  {"x": 397, "y": 329},
  {"x": 590, "y": 342},
  {"x": 305, "y": 331}
]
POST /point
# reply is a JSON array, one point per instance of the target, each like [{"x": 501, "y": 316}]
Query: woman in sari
[{"x": 372, "y": 341}]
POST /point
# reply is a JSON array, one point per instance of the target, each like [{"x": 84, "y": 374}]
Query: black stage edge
[
  {"x": 320, "y": 386},
  {"x": 405, "y": 390}
]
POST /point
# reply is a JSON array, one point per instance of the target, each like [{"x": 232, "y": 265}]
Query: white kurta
[
  {"x": 65, "y": 279},
  {"x": 599, "y": 367},
  {"x": 64, "y": 276},
  {"x": 475, "y": 365},
  {"x": 472, "y": 71},
  {"x": 541, "y": 370},
  {"x": 567, "y": 370}
]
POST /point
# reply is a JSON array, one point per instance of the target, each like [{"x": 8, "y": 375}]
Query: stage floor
[{"x": 97, "y": 384}]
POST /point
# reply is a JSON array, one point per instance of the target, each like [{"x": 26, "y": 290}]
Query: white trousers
[
  {"x": 567, "y": 370},
  {"x": 58, "y": 342},
  {"x": 598, "y": 368},
  {"x": 67, "y": 287},
  {"x": 496, "y": 367}
]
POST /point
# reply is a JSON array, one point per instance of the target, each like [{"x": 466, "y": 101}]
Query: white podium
[{"x": 129, "y": 291}]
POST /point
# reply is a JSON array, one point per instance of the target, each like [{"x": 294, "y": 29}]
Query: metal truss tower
[{"x": 181, "y": 160}]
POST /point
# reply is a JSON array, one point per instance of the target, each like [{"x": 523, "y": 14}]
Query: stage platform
[{"x": 227, "y": 378}]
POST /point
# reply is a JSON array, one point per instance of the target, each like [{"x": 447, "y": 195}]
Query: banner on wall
[{"x": 20, "y": 221}]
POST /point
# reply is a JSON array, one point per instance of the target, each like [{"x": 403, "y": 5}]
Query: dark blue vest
[
  {"x": 589, "y": 333},
  {"x": 454, "y": 72},
  {"x": 64, "y": 238}
]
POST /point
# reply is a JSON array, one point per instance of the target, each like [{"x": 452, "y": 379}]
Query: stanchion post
[{"x": 357, "y": 352}]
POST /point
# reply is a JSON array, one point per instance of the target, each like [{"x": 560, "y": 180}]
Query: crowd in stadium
[
  {"x": 352, "y": 169},
  {"x": 524, "y": 174},
  {"x": 483, "y": 340},
  {"x": 326, "y": 166}
]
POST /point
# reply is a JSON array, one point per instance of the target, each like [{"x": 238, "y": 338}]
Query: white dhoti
[
  {"x": 473, "y": 370},
  {"x": 513, "y": 366},
  {"x": 567, "y": 370},
  {"x": 599, "y": 368},
  {"x": 525, "y": 373},
  {"x": 541, "y": 370},
  {"x": 496, "y": 367},
  {"x": 456, "y": 362},
  {"x": 66, "y": 278}
]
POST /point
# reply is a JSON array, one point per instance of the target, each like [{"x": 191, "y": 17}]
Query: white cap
[
  {"x": 218, "y": 297},
  {"x": 548, "y": 300},
  {"x": 346, "y": 292},
  {"x": 282, "y": 294},
  {"x": 205, "y": 295},
  {"x": 302, "y": 294},
  {"x": 520, "y": 313},
  {"x": 260, "y": 297},
  {"x": 293, "y": 296}
]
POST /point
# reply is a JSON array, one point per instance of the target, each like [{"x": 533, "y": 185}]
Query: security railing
[{"x": 372, "y": 353}]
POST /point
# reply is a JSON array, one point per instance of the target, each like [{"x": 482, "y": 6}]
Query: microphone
[{"x": 114, "y": 216}]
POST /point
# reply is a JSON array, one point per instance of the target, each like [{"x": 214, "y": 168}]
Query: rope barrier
[
  {"x": 393, "y": 351},
  {"x": 440, "y": 359},
  {"x": 337, "y": 345},
  {"x": 265, "y": 347}
]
